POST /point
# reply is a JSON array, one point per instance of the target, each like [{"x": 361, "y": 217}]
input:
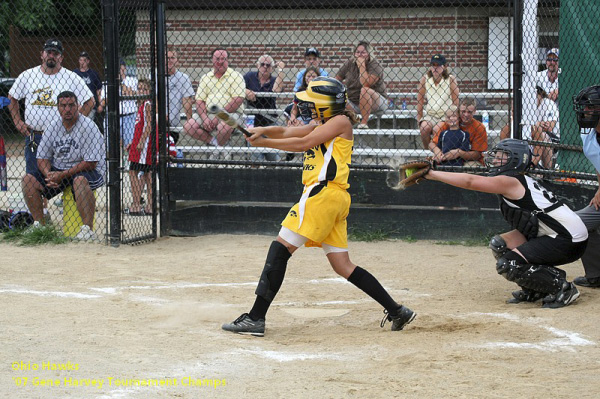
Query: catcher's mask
[
  {"x": 586, "y": 105},
  {"x": 509, "y": 157},
  {"x": 324, "y": 98}
]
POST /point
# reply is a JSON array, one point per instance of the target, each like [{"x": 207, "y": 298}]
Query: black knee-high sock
[
  {"x": 270, "y": 280},
  {"x": 369, "y": 284}
]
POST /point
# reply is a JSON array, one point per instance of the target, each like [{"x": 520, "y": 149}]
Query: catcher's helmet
[
  {"x": 587, "y": 107},
  {"x": 509, "y": 157},
  {"x": 324, "y": 98}
]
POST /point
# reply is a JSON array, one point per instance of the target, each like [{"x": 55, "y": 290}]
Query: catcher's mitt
[{"x": 408, "y": 173}]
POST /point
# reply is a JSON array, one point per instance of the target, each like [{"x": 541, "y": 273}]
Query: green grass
[
  {"x": 377, "y": 235},
  {"x": 481, "y": 241},
  {"x": 48, "y": 234}
]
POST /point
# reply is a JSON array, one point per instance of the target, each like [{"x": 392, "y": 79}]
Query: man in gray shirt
[
  {"x": 71, "y": 153},
  {"x": 181, "y": 92}
]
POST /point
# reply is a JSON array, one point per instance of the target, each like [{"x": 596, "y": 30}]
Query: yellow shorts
[{"x": 321, "y": 216}]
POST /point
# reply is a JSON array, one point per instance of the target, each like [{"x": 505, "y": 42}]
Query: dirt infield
[{"x": 133, "y": 318}]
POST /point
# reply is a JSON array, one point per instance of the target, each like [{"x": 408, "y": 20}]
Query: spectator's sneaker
[
  {"x": 592, "y": 282},
  {"x": 402, "y": 317},
  {"x": 362, "y": 126},
  {"x": 525, "y": 295},
  {"x": 86, "y": 234},
  {"x": 245, "y": 325},
  {"x": 566, "y": 296}
]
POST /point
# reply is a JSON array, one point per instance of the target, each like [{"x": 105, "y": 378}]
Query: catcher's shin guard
[
  {"x": 540, "y": 278},
  {"x": 273, "y": 272},
  {"x": 498, "y": 246}
]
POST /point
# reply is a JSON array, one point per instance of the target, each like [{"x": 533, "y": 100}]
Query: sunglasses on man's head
[{"x": 264, "y": 64}]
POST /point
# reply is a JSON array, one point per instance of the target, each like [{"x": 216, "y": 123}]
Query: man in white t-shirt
[
  {"x": 181, "y": 92},
  {"x": 39, "y": 87},
  {"x": 548, "y": 79}
]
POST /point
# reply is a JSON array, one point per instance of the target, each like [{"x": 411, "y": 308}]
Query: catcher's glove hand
[{"x": 408, "y": 173}]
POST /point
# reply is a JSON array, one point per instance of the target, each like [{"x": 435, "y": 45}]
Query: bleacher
[{"x": 393, "y": 134}]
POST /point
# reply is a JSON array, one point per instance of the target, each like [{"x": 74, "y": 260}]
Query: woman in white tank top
[{"x": 436, "y": 92}]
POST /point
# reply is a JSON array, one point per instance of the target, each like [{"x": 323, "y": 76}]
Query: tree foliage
[{"x": 48, "y": 17}]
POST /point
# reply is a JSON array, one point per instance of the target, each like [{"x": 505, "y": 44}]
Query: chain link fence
[{"x": 427, "y": 78}]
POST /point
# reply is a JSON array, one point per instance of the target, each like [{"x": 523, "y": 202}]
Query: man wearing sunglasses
[
  {"x": 548, "y": 79},
  {"x": 267, "y": 78}
]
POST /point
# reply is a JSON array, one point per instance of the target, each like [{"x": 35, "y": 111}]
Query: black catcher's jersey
[{"x": 560, "y": 221}]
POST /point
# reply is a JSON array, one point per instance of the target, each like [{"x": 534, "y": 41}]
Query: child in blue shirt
[{"x": 452, "y": 143}]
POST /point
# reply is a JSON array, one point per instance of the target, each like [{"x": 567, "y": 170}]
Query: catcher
[
  {"x": 319, "y": 218},
  {"x": 546, "y": 232}
]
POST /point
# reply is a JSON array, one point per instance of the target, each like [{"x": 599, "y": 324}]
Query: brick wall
[{"x": 403, "y": 39}]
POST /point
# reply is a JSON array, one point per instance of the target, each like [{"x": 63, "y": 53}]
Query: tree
[{"x": 47, "y": 18}]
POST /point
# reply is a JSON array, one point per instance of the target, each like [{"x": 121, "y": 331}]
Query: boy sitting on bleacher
[{"x": 453, "y": 143}]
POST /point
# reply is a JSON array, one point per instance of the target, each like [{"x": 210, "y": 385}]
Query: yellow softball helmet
[{"x": 324, "y": 98}]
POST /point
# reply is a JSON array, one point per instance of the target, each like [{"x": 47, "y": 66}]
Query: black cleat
[
  {"x": 566, "y": 296},
  {"x": 525, "y": 295},
  {"x": 246, "y": 326},
  {"x": 402, "y": 317},
  {"x": 592, "y": 282}
]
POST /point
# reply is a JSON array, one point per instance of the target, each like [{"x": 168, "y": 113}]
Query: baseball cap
[
  {"x": 312, "y": 51},
  {"x": 53, "y": 44},
  {"x": 84, "y": 54},
  {"x": 553, "y": 51},
  {"x": 438, "y": 59},
  {"x": 122, "y": 61}
]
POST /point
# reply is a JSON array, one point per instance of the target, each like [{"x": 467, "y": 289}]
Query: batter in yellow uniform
[{"x": 319, "y": 218}]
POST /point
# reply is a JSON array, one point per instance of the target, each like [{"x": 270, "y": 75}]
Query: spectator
[
  {"x": 311, "y": 73},
  {"x": 93, "y": 82},
  {"x": 546, "y": 128},
  {"x": 223, "y": 87},
  {"x": 128, "y": 87},
  {"x": 548, "y": 79},
  {"x": 453, "y": 144},
  {"x": 476, "y": 130},
  {"x": 263, "y": 81},
  {"x": 40, "y": 86},
  {"x": 71, "y": 154},
  {"x": 143, "y": 154},
  {"x": 180, "y": 91},
  {"x": 363, "y": 76},
  {"x": 436, "y": 92},
  {"x": 312, "y": 58}
]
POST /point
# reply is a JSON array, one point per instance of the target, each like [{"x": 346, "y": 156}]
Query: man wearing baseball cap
[
  {"x": 548, "y": 79},
  {"x": 40, "y": 87},
  {"x": 312, "y": 57}
]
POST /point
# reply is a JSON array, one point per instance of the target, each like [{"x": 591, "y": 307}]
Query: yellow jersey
[{"x": 328, "y": 162}]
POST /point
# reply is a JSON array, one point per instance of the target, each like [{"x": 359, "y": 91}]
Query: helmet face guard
[
  {"x": 509, "y": 157},
  {"x": 586, "y": 105},
  {"x": 323, "y": 98}
]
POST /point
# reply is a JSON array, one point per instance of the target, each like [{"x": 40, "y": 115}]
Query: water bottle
[
  {"x": 179, "y": 156},
  {"x": 404, "y": 105},
  {"x": 390, "y": 103},
  {"x": 485, "y": 119},
  {"x": 249, "y": 121}
]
